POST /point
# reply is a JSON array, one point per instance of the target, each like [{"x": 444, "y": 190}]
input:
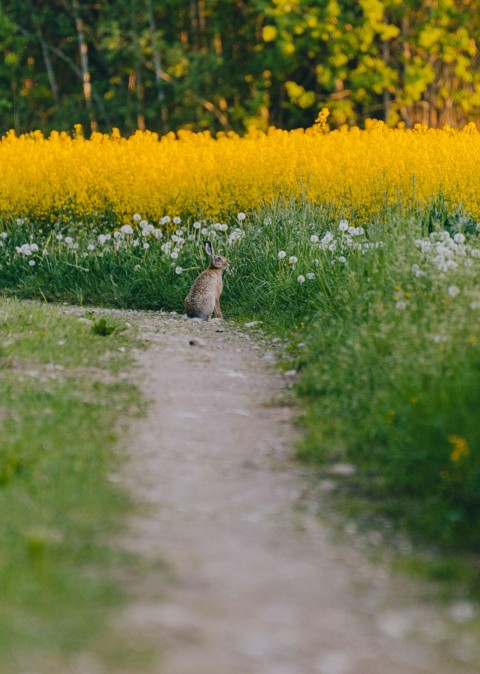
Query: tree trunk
[
  {"x": 157, "y": 60},
  {"x": 387, "y": 97},
  {"x": 46, "y": 56},
  {"x": 82, "y": 44}
]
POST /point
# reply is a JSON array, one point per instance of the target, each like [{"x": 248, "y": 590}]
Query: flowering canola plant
[{"x": 199, "y": 175}]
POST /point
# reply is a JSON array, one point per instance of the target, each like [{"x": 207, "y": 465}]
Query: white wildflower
[
  {"x": 301, "y": 279},
  {"x": 126, "y": 229},
  {"x": 146, "y": 246},
  {"x": 292, "y": 259},
  {"x": 197, "y": 225},
  {"x": 178, "y": 270},
  {"x": 343, "y": 225},
  {"x": 310, "y": 275},
  {"x": 314, "y": 238},
  {"x": 174, "y": 255},
  {"x": 137, "y": 217},
  {"x": 401, "y": 305},
  {"x": 143, "y": 224},
  {"x": 453, "y": 291},
  {"x": 68, "y": 240},
  {"x": 102, "y": 238},
  {"x": 177, "y": 220},
  {"x": 3, "y": 235},
  {"x": 281, "y": 254},
  {"x": 459, "y": 238},
  {"x": 342, "y": 259},
  {"x": 241, "y": 216},
  {"x": 31, "y": 263},
  {"x": 90, "y": 247}
]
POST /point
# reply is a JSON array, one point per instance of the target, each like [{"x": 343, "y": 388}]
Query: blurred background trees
[{"x": 230, "y": 64}]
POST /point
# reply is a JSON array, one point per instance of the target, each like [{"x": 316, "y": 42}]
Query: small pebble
[{"x": 197, "y": 342}]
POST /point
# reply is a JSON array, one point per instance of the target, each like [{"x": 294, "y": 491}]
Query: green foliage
[{"x": 170, "y": 64}]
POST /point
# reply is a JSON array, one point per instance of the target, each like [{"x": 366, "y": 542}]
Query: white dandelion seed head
[
  {"x": 241, "y": 217},
  {"x": 301, "y": 279},
  {"x": 174, "y": 255},
  {"x": 3, "y": 235},
  {"x": 68, "y": 240},
  {"x": 343, "y": 225},
  {"x": 459, "y": 238},
  {"x": 146, "y": 246},
  {"x": 177, "y": 220},
  {"x": 31, "y": 263},
  {"x": 314, "y": 238},
  {"x": 178, "y": 270},
  {"x": 137, "y": 217},
  {"x": 400, "y": 305},
  {"x": 281, "y": 254},
  {"x": 126, "y": 229},
  {"x": 453, "y": 291},
  {"x": 293, "y": 259},
  {"x": 310, "y": 276},
  {"x": 90, "y": 246}
]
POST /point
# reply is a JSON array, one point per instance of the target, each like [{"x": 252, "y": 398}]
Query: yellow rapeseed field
[{"x": 200, "y": 175}]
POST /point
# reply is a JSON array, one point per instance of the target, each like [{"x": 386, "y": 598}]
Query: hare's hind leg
[{"x": 218, "y": 311}]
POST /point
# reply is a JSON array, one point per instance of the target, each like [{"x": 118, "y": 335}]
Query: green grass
[
  {"x": 391, "y": 358},
  {"x": 60, "y": 404}
]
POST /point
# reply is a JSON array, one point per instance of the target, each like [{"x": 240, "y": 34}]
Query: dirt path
[{"x": 255, "y": 583}]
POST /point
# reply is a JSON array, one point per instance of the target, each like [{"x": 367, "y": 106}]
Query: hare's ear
[{"x": 209, "y": 248}]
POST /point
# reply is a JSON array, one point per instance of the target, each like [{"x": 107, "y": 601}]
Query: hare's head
[{"x": 216, "y": 261}]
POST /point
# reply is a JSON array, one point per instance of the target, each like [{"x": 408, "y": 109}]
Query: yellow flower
[
  {"x": 460, "y": 448},
  {"x": 190, "y": 173}
]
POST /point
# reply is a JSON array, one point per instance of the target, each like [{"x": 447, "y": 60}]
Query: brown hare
[{"x": 204, "y": 296}]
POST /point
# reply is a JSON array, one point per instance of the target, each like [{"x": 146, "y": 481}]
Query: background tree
[{"x": 229, "y": 64}]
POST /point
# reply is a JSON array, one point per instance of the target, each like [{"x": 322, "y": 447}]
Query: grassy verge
[
  {"x": 61, "y": 395},
  {"x": 386, "y": 307}
]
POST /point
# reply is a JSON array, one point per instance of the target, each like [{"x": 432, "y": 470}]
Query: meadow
[
  {"x": 362, "y": 247},
  {"x": 64, "y": 400}
]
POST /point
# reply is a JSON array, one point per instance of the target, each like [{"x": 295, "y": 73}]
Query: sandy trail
[{"x": 256, "y": 583}]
